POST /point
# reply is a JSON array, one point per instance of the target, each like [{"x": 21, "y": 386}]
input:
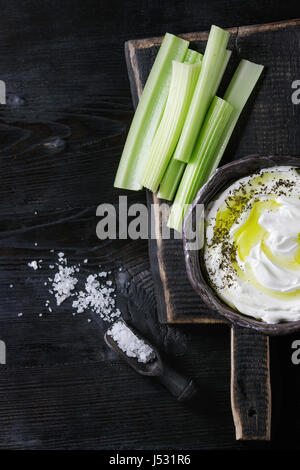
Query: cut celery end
[
  {"x": 198, "y": 58},
  {"x": 211, "y": 131},
  {"x": 211, "y": 74},
  {"x": 171, "y": 180},
  {"x": 184, "y": 78},
  {"x": 148, "y": 113},
  {"x": 193, "y": 57}
]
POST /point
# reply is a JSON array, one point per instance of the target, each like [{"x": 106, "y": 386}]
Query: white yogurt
[{"x": 252, "y": 246}]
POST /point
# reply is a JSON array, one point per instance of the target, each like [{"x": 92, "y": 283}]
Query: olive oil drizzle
[{"x": 253, "y": 197}]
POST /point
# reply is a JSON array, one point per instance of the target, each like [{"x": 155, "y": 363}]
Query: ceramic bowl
[{"x": 222, "y": 178}]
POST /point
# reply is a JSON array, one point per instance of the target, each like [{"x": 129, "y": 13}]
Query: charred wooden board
[
  {"x": 269, "y": 125},
  {"x": 250, "y": 384}
]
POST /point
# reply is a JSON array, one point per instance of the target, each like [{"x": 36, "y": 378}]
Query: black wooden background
[{"x": 61, "y": 135}]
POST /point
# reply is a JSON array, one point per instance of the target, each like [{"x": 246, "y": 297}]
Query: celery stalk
[
  {"x": 211, "y": 131},
  {"x": 212, "y": 66},
  {"x": 193, "y": 57},
  {"x": 237, "y": 94},
  {"x": 148, "y": 113},
  {"x": 184, "y": 78},
  {"x": 171, "y": 180},
  {"x": 173, "y": 173},
  {"x": 226, "y": 58}
]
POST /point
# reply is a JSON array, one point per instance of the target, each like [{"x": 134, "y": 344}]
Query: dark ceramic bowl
[{"x": 222, "y": 178}]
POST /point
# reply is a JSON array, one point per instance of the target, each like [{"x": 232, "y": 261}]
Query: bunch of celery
[
  {"x": 181, "y": 128},
  {"x": 213, "y": 66},
  {"x": 184, "y": 77},
  {"x": 148, "y": 113},
  {"x": 205, "y": 160},
  {"x": 173, "y": 174}
]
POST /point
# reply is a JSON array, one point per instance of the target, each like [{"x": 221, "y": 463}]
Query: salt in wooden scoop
[{"x": 181, "y": 387}]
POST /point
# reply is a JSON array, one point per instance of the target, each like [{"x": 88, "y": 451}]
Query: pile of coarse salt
[
  {"x": 97, "y": 296},
  {"x": 64, "y": 283},
  {"x": 130, "y": 343}
]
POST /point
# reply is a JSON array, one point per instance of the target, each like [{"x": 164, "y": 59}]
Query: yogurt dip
[{"x": 252, "y": 244}]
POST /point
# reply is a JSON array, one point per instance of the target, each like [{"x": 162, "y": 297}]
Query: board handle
[{"x": 250, "y": 384}]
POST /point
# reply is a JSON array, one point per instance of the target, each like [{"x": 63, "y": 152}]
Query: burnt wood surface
[
  {"x": 250, "y": 384},
  {"x": 61, "y": 135}
]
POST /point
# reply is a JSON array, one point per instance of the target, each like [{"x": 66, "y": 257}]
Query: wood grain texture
[
  {"x": 269, "y": 126},
  {"x": 250, "y": 384},
  {"x": 61, "y": 136}
]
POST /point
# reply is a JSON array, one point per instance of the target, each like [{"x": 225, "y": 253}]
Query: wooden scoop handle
[
  {"x": 181, "y": 387},
  {"x": 250, "y": 384}
]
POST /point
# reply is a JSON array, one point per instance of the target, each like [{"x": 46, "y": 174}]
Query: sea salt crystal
[
  {"x": 33, "y": 265},
  {"x": 64, "y": 283},
  {"x": 130, "y": 343},
  {"x": 61, "y": 259}
]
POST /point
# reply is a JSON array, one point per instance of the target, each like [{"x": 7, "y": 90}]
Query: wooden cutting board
[{"x": 269, "y": 125}]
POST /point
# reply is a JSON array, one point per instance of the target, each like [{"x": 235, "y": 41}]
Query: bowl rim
[{"x": 200, "y": 284}]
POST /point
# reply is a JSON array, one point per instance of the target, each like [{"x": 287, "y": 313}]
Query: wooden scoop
[{"x": 181, "y": 387}]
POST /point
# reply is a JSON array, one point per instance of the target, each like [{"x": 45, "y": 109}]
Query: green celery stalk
[
  {"x": 173, "y": 173},
  {"x": 211, "y": 131},
  {"x": 212, "y": 66},
  {"x": 148, "y": 113},
  {"x": 226, "y": 58},
  {"x": 193, "y": 57},
  {"x": 184, "y": 78},
  {"x": 237, "y": 94},
  {"x": 171, "y": 180}
]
